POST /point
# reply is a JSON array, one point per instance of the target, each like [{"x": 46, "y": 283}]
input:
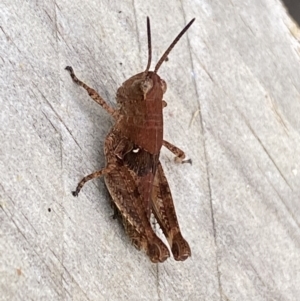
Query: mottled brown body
[{"x": 133, "y": 172}]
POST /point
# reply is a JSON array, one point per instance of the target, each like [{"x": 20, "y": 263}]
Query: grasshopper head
[
  {"x": 140, "y": 87},
  {"x": 148, "y": 84}
]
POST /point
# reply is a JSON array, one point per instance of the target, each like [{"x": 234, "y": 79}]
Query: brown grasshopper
[{"x": 133, "y": 173}]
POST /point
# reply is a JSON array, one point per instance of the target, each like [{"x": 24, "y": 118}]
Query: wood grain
[{"x": 233, "y": 107}]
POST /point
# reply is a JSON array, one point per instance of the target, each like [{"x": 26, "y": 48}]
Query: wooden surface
[{"x": 233, "y": 107}]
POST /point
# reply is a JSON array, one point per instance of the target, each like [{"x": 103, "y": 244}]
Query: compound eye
[
  {"x": 163, "y": 85},
  {"x": 146, "y": 85}
]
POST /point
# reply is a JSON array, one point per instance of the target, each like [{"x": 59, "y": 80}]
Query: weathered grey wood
[{"x": 233, "y": 106}]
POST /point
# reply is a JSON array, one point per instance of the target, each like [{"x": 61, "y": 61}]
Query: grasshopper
[{"x": 133, "y": 173}]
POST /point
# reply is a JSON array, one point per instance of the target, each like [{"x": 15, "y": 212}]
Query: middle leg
[{"x": 180, "y": 155}]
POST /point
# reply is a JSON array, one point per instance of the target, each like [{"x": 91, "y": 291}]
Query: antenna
[
  {"x": 172, "y": 45},
  {"x": 149, "y": 45}
]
